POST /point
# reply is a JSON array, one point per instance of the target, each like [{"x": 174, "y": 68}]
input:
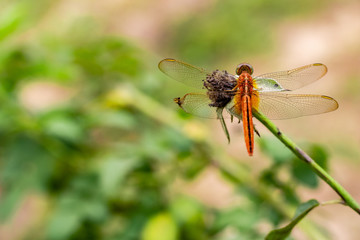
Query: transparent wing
[
  {"x": 295, "y": 78},
  {"x": 198, "y": 105},
  {"x": 284, "y": 106},
  {"x": 183, "y": 72}
]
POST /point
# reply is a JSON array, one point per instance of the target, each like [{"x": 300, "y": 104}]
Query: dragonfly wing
[
  {"x": 294, "y": 78},
  {"x": 198, "y": 104},
  {"x": 284, "y": 106},
  {"x": 183, "y": 72}
]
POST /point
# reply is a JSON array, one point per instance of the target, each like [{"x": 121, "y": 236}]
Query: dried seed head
[{"x": 220, "y": 87}]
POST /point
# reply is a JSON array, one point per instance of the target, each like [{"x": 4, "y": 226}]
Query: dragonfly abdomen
[
  {"x": 243, "y": 103},
  {"x": 248, "y": 123}
]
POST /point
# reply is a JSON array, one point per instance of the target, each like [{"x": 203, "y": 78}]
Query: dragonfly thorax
[{"x": 244, "y": 67}]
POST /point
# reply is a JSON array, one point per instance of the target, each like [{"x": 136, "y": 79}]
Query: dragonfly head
[
  {"x": 244, "y": 67},
  {"x": 178, "y": 101}
]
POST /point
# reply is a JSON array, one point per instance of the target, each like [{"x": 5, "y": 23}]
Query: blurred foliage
[
  {"x": 106, "y": 168},
  {"x": 283, "y": 158},
  {"x": 234, "y": 30}
]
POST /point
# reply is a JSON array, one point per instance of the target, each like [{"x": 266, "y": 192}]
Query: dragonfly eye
[{"x": 244, "y": 67}]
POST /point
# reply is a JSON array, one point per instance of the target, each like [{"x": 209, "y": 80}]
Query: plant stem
[
  {"x": 336, "y": 201},
  {"x": 346, "y": 197}
]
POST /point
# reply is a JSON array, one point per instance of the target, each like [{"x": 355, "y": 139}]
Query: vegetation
[{"x": 106, "y": 158}]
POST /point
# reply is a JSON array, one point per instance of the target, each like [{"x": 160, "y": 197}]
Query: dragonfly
[{"x": 241, "y": 94}]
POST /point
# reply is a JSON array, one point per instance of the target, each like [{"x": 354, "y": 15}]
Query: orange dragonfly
[{"x": 241, "y": 94}]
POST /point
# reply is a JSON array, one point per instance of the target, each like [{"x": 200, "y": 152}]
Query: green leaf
[
  {"x": 118, "y": 119},
  {"x": 160, "y": 227},
  {"x": 113, "y": 171},
  {"x": 243, "y": 219},
  {"x": 11, "y": 18},
  {"x": 187, "y": 211},
  {"x": 190, "y": 216},
  {"x": 271, "y": 176},
  {"x": 301, "y": 212},
  {"x": 66, "y": 218},
  {"x": 25, "y": 165},
  {"x": 275, "y": 149},
  {"x": 11, "y": 200},
  {"x": 63, "y": 225},
  {"x": 72, "y": 210},
  {"x": 319, "y": 154},
  {"x": 94, "y": 209},
  {"x": 303, "y": 173},
  {"x": 64, "y": 127}
]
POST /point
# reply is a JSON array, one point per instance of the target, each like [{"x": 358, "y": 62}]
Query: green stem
[
  {"x": 346, "y": 197},
  {"x": 337, "y": 201}
]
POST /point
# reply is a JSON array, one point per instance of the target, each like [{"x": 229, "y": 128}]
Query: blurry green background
[{"x": 93, "y": 147}]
